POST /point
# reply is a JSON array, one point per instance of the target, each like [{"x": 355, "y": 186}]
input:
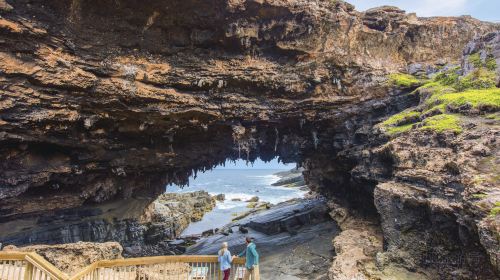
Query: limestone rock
[{"x": 72, "y": 257}]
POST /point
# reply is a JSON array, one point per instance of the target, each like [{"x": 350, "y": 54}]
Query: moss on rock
[
  {"x": 447, "y": 93},
  {"x": 482, "y": 98},
  {"x": 495, "y": 210},
  {"x": 442, "y": 123},
  {"x": 403, "y": 80}
]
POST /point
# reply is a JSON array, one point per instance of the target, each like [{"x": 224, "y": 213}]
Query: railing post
[
  {"x": 28, "y": 272},
  {"x": 220, "y": 273}
]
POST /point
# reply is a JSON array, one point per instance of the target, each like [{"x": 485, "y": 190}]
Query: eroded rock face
[
  {"x": 141, "y": 227},
  {"x": 109, "y": 101},
  {"x": 177, "y": 210}
]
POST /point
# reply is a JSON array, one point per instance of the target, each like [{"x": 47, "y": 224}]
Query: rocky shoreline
[
  {"x": 291, "y": 237},
  {"x": 143, "y": 228},
  {"x": 283, "y": 231}
]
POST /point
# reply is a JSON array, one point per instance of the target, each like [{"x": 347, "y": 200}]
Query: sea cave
[{"x": 392, "y": 120}]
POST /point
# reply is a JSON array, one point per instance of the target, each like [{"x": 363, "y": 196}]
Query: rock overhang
[{"x": 103, "y": 102}]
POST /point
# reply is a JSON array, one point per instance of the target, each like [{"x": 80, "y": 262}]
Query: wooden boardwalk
[{"x": 31, "y": 266}]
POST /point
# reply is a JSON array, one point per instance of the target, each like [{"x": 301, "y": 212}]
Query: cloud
[
  {"x": 439, "y": 7},
  {"x": 421, "y": 7}
]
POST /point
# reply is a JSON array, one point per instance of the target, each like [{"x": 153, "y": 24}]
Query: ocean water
[{"x": 235, "y": 183}]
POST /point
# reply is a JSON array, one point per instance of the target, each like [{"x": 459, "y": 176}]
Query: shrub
[
  {"x": 449, "y": 77},
  {"x": 475, "y": 59},
  {"x": 477, "y": 79},
  {"x": 491, "y": 63}
]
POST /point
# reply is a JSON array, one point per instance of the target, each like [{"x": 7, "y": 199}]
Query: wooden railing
[
  {"x": 26, "y": 266},
  {"x": 30, "y": 266}
]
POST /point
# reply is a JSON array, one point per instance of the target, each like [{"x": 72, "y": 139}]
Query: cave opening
[
  {"x": 268, "y": 201},
  {"x": 238, "y": 187}
]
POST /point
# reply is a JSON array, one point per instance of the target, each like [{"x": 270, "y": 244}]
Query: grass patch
[
  {"x": 449, "y": 77},
  {"x": 393, "y": 130},
  {"x": 403, "y": 80},
  {"x": 442, "y": 123},
  {"x": 445, "y": 93},
  {"x": 489, "y": 63},
  {"x": 402, "y": 118},
  {"x": 478, "y": 79},
  {"x": 443, "y": 98},
  {"x": 495, "y": 210},
  {"x": 401, "y": 122},
  {"x": 476, "y": 98}
]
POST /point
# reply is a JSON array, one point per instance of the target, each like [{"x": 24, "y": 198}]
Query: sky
[
  {"x": 488, "y": 10},
  {"x": 258, "y": 164}
]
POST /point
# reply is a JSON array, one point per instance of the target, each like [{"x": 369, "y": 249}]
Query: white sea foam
[
  {"x": 230, "y": 204},
  {"x": 289, "y": 196},
  {"x": 242, "y": 196},
  {"x": 267, "y": 179}
]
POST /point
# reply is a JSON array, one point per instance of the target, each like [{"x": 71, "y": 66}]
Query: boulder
[
  {"x": 220, "y": 197},
  {"x": 253, "y": 199},
  {"x": 288, "y": 216}
]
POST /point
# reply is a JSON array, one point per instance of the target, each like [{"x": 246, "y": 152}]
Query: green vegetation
[
  {"x": 402, "y": 118},
  {"x": 393, "y": 130},
  {"x": 401, "y": 122},
  {"x": 478, "y": 79},
  {"x": 403, "y": 80},
  {"x": 475, "y": 59},
  {"x": 449, "y": 77},
  {"x": 495, "y": 210},
  {"x": 476, "y": 98},
  {"x": 491, "y": 63},
  {"x": 479, "y": 195},
  {"x": 447, "y": 92},
  {"x": 442, "y": 123}
]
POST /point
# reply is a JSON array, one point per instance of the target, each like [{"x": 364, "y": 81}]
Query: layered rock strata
[
  {"x": 142, "y": 229},
  {"x": 105, "y": 103}
]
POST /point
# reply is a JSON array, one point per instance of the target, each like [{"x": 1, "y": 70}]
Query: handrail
[
  {"x": 43, "y": 264},
  {"x": 37, "y": 262},
  {"x": 34, "y": 260},
  {"x": 12, "y": 256},
  {"x": 163, "y": 259},
  {"x": 85, "y": 271}
]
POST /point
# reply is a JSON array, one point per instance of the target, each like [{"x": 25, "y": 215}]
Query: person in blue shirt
[
  {"x": 225, "y": 260},
  {"x": 252, "y": 260}
]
